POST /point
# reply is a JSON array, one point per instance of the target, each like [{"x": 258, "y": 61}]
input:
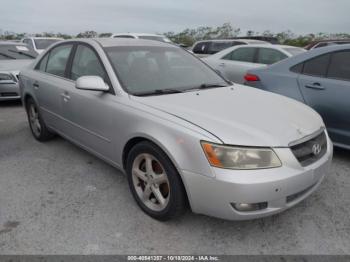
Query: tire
[
  {"x": 36, "y": 122},
  {"x": 145, "y": 167}
]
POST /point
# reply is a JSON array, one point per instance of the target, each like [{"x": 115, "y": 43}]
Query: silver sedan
[
  {"x": 13, "y": 57},
  {"x": 182, "y": 134}
]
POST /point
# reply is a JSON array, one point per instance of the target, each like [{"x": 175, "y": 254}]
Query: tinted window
[
  {"x": 201, "y": 48},
  {"x": 58, "y": 59},
  {"x": 86, "y": 63},
  {"x": 269, "y": 56},
  {"x": 297, "y": 68},
  {"x": 244, "y": 54},
  {"x": 317, "y": 66},
  {"x": 340, "y": 65}
]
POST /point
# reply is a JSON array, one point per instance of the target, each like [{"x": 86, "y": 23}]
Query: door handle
[
  {"x": 36, "y": 85},
  {"x": 66, "y": 97},
  {"x": 222, "y": 64},
  {"x": 316, "y": 86}
]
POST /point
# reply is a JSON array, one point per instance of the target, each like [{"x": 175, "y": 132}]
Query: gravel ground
[{"x": 58, "y": 199}]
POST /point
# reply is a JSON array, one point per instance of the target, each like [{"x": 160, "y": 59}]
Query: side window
[
  {"x": 58, "y": 59},
  {"x": 268, "y": 56},
  {"x": 297, "y": 68},
  {"x": 244, "y": 54},
  {"x": 201, "y": 48},
  {"x": 42, "y": 65},
  {"x": 317, "y": 66},
  {"x": 339, "y": 67},
  {"x": 86, "y": 63},
  {"x": 218, "y": 46},
  {"x": 28, "y": 42}
]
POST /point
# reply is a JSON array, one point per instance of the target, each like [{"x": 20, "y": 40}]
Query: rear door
[
  {"x": 325, "y": 85},
  {"x": 86, "y": 112},
  {"x": 234, "y": 65}
]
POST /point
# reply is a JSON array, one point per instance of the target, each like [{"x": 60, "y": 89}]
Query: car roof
[{"x": 110, "y": 42}]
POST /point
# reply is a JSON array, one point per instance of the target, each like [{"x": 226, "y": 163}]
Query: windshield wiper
[
  {"x": 206, "y": 86},
  {"x": 158, "y": 92},
  {"x": 21, "y": 53}
]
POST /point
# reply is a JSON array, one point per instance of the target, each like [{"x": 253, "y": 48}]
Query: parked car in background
[
  {"x": 324, "y": 43},
  {"x": 206, "y": 48},
  {"x": 39, "y": 44},
  {"x": 233, "y": 63},
  {"x": 160, "y": 38},
  {"x": 319, "y": 78},
  {"x": 181, "y": 132},
  {"x": 13, "y": 57}
]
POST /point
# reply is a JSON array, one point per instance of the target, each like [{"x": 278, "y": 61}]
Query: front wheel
[
  {"x": 154, "y": 182},
  {"x": 36, "y": 123}
]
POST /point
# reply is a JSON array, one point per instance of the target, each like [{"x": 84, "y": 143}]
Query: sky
[{"x": 158, "y": 16}]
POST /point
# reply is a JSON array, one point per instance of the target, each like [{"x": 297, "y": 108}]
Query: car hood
[
  {"x": 14, "y": 65},
  {"x": 241, "y": 115}
]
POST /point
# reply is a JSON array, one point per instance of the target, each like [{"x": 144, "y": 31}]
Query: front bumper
[
  {"x": 9, "y": 91},
  {"x": 280, "y": 188}
]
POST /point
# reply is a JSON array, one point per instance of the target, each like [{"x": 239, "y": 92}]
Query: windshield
[
  {"x": 144, "y": 69},
  {"x": 154, "y": 37},
  {"x": 294, "y": 51},
  {"x": 44, "y": 43},
  {"x": 16, "y": 52}
]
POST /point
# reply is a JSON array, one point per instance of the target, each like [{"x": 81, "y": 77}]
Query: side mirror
[{"x": 93, "y": 83}]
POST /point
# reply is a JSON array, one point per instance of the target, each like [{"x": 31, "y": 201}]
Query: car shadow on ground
[
  {"x": 7, "y": 104},
  {"x": 342, "y": 153}
]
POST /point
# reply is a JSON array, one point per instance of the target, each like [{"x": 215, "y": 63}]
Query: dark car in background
[
  {"x": 319, "y": 78},
  {"x": 13, "y": 57}
]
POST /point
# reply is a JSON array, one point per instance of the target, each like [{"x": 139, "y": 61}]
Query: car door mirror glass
[{"x": 93, "y": 83}]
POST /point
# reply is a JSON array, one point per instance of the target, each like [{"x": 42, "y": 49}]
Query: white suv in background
[
  {"x": 39, "y": 44},
  {"x": 155, "y": 37}
]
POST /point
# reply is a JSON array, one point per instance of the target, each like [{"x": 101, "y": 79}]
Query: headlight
[
  {"x": 232, "y": 157},
  {"x": 7, "y": 77}
]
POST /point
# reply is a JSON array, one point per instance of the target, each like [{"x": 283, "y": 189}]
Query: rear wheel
[
  {"x": 36, "y": 123},
  {"x": 154, "y": 182}
]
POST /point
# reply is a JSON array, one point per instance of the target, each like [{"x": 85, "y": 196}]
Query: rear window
[
  {"x": 268, "y": 56},
  {"x": 244, "y": 54},
  {"x": 317, "y": 66},
  {"x": 219, "y": 46},
  {"x": 339, "y": 67}
]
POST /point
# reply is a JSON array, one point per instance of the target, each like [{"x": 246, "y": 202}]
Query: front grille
[
  {"x": 310, "y": 151},
  {"x": 8, "y": 94}
]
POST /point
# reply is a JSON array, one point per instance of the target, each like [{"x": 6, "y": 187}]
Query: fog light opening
[{"x": 244, "y": 207}]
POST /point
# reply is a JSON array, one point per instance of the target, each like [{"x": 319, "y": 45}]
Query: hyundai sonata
[{"x": 182, "y": 134}]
